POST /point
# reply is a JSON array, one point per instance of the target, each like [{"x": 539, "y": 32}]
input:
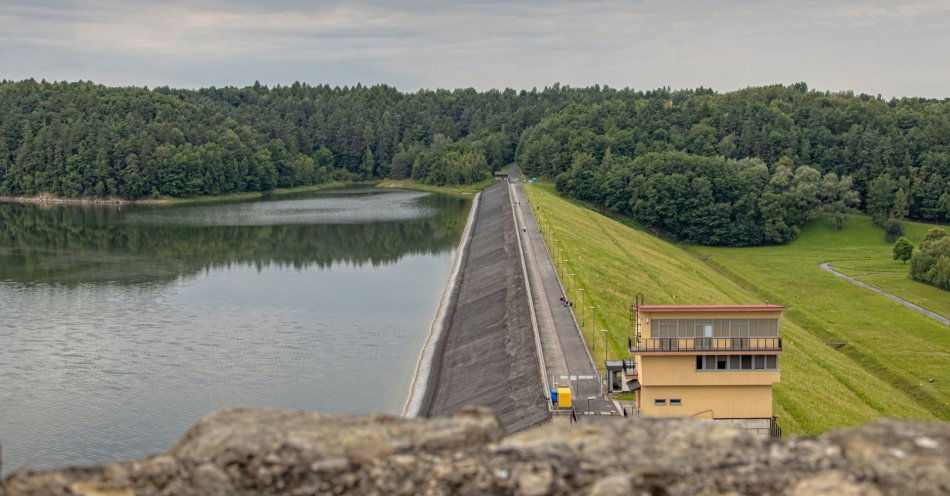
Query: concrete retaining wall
[{"x": 486, "y": 352}]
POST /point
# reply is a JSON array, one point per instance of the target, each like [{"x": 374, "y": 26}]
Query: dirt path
[{"x": 933, "y": 315}]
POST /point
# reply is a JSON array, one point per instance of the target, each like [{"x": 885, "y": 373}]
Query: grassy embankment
[
  {"x": 882, "y": 370},
  {"x": 464, "y": 189},
  {"x": 868, "y": 258}
]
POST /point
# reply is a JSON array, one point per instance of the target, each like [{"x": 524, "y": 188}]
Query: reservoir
[{"x": 122, "y": 325}]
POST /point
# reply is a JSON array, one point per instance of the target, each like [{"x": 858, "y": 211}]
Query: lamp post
[
  {"x": 605, "y": 331},
  {"x": 580, "y": 299},
  {"x": 572, "y": 281},
  {"x": 591, "y": 308}
]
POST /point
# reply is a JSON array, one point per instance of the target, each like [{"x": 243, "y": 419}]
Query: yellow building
[{"x": 708, "y": 361}]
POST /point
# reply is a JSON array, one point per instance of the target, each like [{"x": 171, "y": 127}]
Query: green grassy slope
[
  {"x": 899, "y": 345},
  {"x": 869, "y": 259},
  {"x": 821, "y": 387}
]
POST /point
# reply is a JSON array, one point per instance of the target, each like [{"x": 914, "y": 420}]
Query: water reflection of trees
[{"x": 74, "y": 244}]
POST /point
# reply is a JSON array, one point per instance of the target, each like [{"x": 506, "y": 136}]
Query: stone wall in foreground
[{"x": 246, "y": 451}]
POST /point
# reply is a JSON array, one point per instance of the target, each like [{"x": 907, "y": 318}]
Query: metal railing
[
  {"x": 775, "y": 430},
  {"x": 629, "y": 367},
  {"x": 705, "y": 344}
]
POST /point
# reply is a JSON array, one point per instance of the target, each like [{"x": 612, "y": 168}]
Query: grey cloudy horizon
[{"x": 875, "y": 46}]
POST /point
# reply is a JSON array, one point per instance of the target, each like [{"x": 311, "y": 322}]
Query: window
[
  {"x": 736, "y": 362},
  {"x": 721, "y": 328},
  {"x": 665, "y": 328},
  {"x": 740, "y": 328},
  {"x": 659, "y": 402},
  {"x": 676, "y": 402},
  {"x": 714, "y": 328},
  {"x": 704, "y": 329}
]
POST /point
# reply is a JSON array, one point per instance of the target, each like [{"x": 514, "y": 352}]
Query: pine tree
[
  {"x": 900, "y": 207},
  {"x": 368, "y": 165}
]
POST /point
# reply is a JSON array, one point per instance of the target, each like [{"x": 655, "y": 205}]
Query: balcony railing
[
  {"x": 705, "y": 344},
  {"x": 629, "y": 367}
]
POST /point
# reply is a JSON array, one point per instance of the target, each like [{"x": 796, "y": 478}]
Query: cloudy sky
[{"x": 873, "y": 46}]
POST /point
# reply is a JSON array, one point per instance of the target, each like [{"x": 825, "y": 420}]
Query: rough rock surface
[{"x": 246, "y": 451}]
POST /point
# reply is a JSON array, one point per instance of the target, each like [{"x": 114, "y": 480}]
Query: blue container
[{"x": 554, "y": 396}]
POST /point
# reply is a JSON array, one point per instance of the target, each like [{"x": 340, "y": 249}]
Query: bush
[
  {"x": 903, "y": 249},
  {"x": 931, "y": 263},
  {"x": 893, "y": 227}
]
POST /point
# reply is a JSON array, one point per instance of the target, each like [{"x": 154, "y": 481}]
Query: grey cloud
[{"x": 876, "y": 46}]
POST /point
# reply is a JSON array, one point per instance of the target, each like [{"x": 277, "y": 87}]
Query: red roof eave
[{"x": 711, "y": 308}]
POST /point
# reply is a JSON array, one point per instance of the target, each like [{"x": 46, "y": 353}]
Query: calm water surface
[{"x": 120, "y": 326}]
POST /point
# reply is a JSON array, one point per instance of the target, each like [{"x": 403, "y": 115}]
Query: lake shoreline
[
  {"x": 51, "y": 199},
  {"x": 421, "y": 376}
]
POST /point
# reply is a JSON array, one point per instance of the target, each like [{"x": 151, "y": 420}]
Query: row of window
[
  {"x": 673, "y": 402},
  {"x": 736, "y": 362},
  {"x": 713, "y": 328}
]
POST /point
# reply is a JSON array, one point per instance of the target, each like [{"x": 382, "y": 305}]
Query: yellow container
[{"x": 563, "y": 397}]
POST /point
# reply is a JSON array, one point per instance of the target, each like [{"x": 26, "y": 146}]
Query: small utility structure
[{"x": 712, "y": 362}]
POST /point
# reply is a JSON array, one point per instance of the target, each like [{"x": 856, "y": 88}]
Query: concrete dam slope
[{"x": 486, "y": 353}]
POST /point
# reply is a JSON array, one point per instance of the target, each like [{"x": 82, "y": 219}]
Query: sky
[{"x": 872, "y": 46}]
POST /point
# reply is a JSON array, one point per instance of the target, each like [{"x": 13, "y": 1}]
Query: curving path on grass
[{"x": 917, "y": 308}]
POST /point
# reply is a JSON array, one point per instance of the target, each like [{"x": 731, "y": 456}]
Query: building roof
[{"x": 711, "y": 308}]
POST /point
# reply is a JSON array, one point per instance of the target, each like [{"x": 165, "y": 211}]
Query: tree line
[
  {"x": 752, "y": 166},
  {"x": 84, "y": 139},
  {"x": 737, "y": 168}
]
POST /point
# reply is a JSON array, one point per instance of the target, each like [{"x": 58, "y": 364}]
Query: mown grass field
[
  {"x": 870, "y": 259},
  {"x": 885, "y": 354}
]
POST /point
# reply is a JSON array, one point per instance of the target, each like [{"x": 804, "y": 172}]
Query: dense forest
[
  {"x": 83, "y": 139},
  {"x": 739, "y": 168},
  {"x": 752, "y": 166}
]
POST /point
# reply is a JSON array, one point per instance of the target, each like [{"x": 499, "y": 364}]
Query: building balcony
[{"x": 722, "y": 346}]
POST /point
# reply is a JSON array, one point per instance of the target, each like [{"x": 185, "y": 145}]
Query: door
[{"x": 705, "y": 329}]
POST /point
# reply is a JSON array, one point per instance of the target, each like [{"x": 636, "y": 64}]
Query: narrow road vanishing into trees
[
  {"x": 566, "y": 358},
  {"x": 898, "y": 299}
]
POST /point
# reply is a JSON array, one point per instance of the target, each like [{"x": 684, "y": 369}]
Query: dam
[{"x": 484, "y": 350}]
